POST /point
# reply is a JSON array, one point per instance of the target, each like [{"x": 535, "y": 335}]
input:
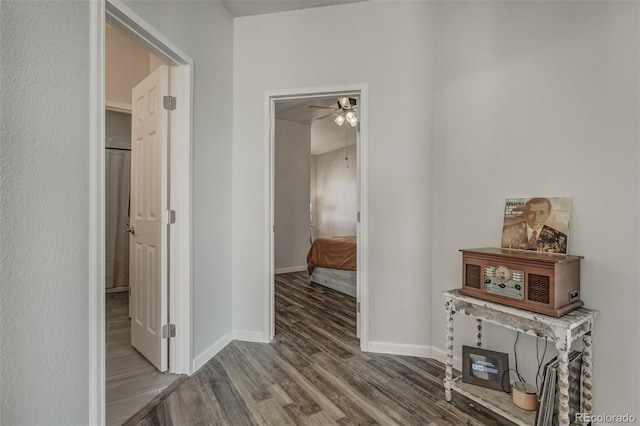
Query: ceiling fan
[{"x": 347, "y": 110}]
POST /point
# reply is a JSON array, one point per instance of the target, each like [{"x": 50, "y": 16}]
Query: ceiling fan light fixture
[
  {"x": 339, "y": 119},
  {"x": 352, "y": 118},
  {"x": 344, "y": 102}
]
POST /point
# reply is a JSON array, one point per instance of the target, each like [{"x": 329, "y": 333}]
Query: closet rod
[{"x": 119, "y": 149}]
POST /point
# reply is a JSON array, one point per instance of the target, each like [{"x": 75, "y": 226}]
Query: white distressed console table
[{"x": 562, "y": 331}]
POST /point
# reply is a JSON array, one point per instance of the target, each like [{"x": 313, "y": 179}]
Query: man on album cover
[{"x": 532, "y": 233}]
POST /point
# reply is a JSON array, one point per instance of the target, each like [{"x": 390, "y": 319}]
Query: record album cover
[{"x": 538, "y": 224}]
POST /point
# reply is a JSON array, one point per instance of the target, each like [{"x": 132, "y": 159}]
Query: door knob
[{"x": 131, "y": 229}]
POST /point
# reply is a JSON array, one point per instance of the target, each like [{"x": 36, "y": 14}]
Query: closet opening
[
  {"x": 160, "y": 65},
  {"x": 134, "y": 371}
]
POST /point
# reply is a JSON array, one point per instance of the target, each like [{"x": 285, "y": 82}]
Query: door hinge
[
  {"x": 129, "y": 291},
  {"x": 169, "y": 102},
  {"x": 358, "y": 218},
  {"x": 358, "y": 127},
  {"x": 168, "y": 330},
  {"x": 168, "y": 216},
  {"x": 358, "y": 307}
]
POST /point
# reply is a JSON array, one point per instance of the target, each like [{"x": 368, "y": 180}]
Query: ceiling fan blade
[
  {"x": 325, "y": 116},
  {"x": 323, "y": 107}
]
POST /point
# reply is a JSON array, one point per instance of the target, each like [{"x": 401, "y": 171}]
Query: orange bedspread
[{"x": 334, "y": 253}]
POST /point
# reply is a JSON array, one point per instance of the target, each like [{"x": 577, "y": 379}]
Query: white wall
[
  {"x": 541, "y": 98},
  {"x": 44, "y": 206},
  {"x": 560, "y": 77},
  {"x": 291, "y": 194},
  {"x": 513, "y": 78},
  {"x": 126, "y": 65},
  {"x": 44, "y": 196},
  {"x": 203, "y": 30},
  {"x": 336, "y": 189},
  {"x": 394, "y": 56}
]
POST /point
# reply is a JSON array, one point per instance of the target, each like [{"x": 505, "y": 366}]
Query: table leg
[
  {"x": 586, "y": 379},
  {"x": 563, "y": 345},
  {"x": 478, "y": 332},
  {"x": 448, "y": 372}
]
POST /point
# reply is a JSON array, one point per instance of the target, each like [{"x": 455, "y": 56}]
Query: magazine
[{"x": 547, "y": 413}]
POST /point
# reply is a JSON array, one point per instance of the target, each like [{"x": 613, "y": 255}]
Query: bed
[{"x": 331, "y": 262}]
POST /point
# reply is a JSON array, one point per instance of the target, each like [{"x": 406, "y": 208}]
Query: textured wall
[
  {"x": 542, "y": 98},
  {"x": 44, "y": 203},
  {"x": 529, "y": 98},
  {"x": 44, "y": 55},
  {"x": 393, "y": 54}
]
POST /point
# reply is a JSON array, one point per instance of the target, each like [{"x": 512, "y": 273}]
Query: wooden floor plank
[
  {"x": 314, "y": 373},
  {"x": 131, "y": 381}
]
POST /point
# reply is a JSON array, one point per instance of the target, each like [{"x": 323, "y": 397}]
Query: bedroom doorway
[{"x": 318, "y": 193}]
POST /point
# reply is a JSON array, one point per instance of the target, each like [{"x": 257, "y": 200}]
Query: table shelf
[
  {"x": 562, "y": 331},
  {"x": 497, "y": 401}
]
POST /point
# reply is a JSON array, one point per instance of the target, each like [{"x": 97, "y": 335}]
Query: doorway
[
  {"x": 178, "y": 302},
  {"x": 360, "y": 155},
  {"x": 135, "y": 356}
]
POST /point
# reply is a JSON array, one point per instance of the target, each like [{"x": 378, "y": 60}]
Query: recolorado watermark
[{"x": 605, "y": 418}]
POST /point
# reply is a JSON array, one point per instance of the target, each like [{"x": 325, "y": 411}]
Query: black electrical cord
[
  {"x": 515, "y": 355},
  {"x": 502, "y": 380},
  {"x": 539, "y": 377}
]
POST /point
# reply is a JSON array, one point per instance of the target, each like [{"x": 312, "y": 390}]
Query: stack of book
[{"x": 548, "y": 405}]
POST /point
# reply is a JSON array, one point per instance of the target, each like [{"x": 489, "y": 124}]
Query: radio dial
[{"x": 503, "y": 273}]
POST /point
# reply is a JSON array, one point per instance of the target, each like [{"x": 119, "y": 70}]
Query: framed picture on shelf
[{"x": 485, "y": 368}]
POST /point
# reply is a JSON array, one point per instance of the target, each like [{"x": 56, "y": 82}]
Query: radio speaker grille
[
  {"x": 538, "y": 288},
  {"x": 473, "y": 276}
]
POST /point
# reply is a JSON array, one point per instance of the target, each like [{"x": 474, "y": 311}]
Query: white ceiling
[{"x": 260, "y": 7}]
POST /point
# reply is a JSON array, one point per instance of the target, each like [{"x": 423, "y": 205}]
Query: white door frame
[
  {"x": 362, "y": 273},
  {"x": 180, "y": 188}
]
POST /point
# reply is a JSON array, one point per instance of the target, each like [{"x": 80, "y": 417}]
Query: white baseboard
[
  {"x": 245, "y": 336},
  {"x": 440, "y": 355},
  {"x": 211, "y": 351},
  {"x": 413, "y": 350},
  {"x": 249, "y": 336},
  {"x": 291, "y": 269},
  {"x": 399, "y": 349},
  {"x": 375, "y": 347}
]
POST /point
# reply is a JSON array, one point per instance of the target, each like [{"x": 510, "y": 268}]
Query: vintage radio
[{"x": 541, "y": 282}]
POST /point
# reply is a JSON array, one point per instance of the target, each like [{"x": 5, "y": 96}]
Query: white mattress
[{"x": 339, "y": 280}]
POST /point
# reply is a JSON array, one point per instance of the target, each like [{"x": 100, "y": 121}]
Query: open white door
[{"x": 148, "y": 241}]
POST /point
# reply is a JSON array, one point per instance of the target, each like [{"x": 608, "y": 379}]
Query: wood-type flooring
[
  {"x": 314, "y": 373},
  {"x": 131, "y": 380}
]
